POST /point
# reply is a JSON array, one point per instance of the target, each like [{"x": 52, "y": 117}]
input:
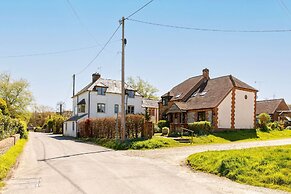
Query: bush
[
  {"x": 200, "y": 128},
  {"x": 163, "y": 123},
  {"x": 9, "y": 126},
  {"x": 276, "y": 126},
  {"x": 23, "y": 130},
  {"x": 264, "y": 119},
  {"x": 165, "y": 130}
]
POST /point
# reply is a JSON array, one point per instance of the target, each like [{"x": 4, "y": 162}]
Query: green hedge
[
  {"x": 200, "y": 128},
  {"x": 9, "y": 127},
  {"x": 9, "y": 158},
  {"x": 163, "y": 123}
]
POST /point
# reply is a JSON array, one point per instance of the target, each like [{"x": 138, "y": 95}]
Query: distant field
[{"x": 266, "y": 166}]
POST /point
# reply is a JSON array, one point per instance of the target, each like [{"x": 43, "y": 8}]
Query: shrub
[
  {"x": 23, "y": 130},
  {"x": 8, "y": 126},
  {"x": 163, "y": 123},
  {"x": 165, "y": 130},
  {"x": 200, "y": 128},
  {"x": 276, "y": 125},
  {"x": 264, "y": 119}
]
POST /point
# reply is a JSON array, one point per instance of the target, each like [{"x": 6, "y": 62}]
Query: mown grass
[
  {"x": 9, "y": 158},
  {"x": 161, "y": 142},
  {"x": 135, "y": 144},
  {"x": 266, "y": 166},
  {"x": 240, "y": 136}
]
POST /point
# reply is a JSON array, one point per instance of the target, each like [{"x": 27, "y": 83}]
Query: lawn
[
  {"x": 266, "y": 166},
  {"x": 220, "y": 137},
  {"x": 9, "y": 158},
  {"x": 135, "y": 144}
]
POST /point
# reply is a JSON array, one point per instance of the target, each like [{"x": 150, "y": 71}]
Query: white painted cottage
[
  {"x": 226, "y": 102},
  {"x": 101, "y": 98}
]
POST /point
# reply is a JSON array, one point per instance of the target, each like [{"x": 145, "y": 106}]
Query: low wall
[{"x": 7, "y": 143}]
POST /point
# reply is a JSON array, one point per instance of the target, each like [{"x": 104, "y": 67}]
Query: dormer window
[
  {"x": 130, "y": 93},
  {"x": 165, "y": 101},
  {"x": 101, "y": 90}
]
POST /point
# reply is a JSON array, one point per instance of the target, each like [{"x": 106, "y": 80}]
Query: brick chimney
[
  {"x": 205, "y": 73},
  {"x": 95, "y": 77}
]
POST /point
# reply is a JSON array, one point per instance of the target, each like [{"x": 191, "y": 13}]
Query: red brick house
[
  {"x": 276, "y": 108},
  {"x": 226, "y": 102}
]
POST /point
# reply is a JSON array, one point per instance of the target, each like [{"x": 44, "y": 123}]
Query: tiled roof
[
  {"x": 206, "y": 93},
  {"x": 150, "y": 103},
  {"x": 214, "y": 92},
  {"x": 181, "y": 90},
  {"x": 76, "y": 117},
  {"x": 113, "y": 86},
  {"x": 268, "y": 106}
]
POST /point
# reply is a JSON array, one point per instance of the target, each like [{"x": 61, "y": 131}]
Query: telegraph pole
[
  {"x": 74, "y": 84},
  {"x": 122, "y": 83}
]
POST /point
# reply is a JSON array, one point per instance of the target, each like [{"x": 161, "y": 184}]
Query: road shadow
[
  {"x": 73, "y": 155},
  {"x": 237, "y": 135}
]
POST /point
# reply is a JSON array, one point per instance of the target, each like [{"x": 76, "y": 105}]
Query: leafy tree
[
  {"x": 17, "y": 96},
  {"x": 55, "y": 123},
  {"x": 3, "y": 107},
  {"x": 39, "y": 115},
  {"x": 143, "y": 87}
]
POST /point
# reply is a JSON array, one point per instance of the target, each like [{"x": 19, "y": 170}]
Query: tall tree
[
  {"x": 17, "y": 96},
  {"x": 143, "y": 87}
]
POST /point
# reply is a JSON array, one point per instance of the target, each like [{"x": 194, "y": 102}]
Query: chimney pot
[
  {"x": 205, "y": 73},
  {"x": 95, "y": 77}
]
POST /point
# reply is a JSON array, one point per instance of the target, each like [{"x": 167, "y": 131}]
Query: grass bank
[
  {"x": 135, "y": 144},
  {"x": 266, "y": 166},
  {"x": 240, "y": 136},
  {"x": 9, "y": 158},
  {"x": 220, "y": 137}
]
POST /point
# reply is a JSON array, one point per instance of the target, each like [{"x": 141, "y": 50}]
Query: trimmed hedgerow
[
  {"x": 200, "y": 128},
  {"x": 106, "y": 127}
]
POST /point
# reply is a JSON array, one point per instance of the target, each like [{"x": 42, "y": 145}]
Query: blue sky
[{"x": 162, "y": 56}]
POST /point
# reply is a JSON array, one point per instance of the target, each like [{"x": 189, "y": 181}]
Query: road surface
[{"x": 54, "y": 164}]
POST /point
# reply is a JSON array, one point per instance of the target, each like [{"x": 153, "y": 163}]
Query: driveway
[{"x": 53, "y": 164}]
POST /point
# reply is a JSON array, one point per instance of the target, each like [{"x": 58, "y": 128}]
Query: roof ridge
[{"x": 270, "y": 99}]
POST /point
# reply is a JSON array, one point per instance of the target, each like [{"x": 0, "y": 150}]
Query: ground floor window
[
  {"x": 130, "y": 109},
  {"x": 101, "y": 107},
  {"x": 201, "y": 116}
]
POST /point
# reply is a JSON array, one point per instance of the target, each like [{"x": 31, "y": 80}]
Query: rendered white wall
[
  {"x": 68, "y": 129},
  {"x": 224, "y": 113},
  {"x": 244, "y": 109},
  {"x": 109, "y": 100}
]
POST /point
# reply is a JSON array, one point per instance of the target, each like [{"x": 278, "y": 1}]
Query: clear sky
[{"x": 162, "y": 56}]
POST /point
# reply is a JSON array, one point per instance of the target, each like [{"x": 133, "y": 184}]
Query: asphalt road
[{"x": 53, "y": 164}]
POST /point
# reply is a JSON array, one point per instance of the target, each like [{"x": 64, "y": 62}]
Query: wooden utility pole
[
  {"x": 122, "y": 84},
  {"x": 74, "y": 84}
]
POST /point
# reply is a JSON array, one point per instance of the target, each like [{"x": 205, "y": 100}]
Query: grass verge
[
  {"x": 9, "y": 158},
  {"x": 135, "y": 144},
  {"x": 266, "y": 167},
  {"x": 220, "y": 137}
]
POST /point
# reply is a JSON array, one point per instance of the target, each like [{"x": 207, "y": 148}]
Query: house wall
[
  {"x": 224, "y": 113},
  {"x": 110, "y": 100},
  {"x": 244, "y": 109},
  {"x": 69, "y": 130}
]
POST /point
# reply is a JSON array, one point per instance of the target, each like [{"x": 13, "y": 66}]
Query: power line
[
  {"x": 80, "y": 21},
  {"x": 97, "y": 55},
  {"x": 139, "y": 9},
  {"x": 208, "y": 29},
  {"x": 284, "y": 6},
  {"x": 49, "y": 53}
]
